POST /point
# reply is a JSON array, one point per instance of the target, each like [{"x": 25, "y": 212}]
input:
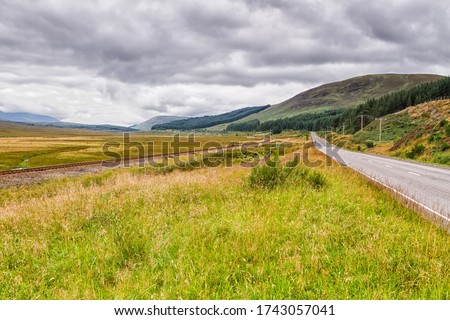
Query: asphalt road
[{"x": 427, "y": 186}]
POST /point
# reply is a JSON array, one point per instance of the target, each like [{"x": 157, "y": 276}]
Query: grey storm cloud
[{"x": 152, "y": 57}]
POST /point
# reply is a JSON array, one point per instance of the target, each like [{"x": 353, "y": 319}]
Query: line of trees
[
  {"x": 307, "y": 121},
  {"x": 371, "y": 109},
  {"x": 209, "y": 121}
]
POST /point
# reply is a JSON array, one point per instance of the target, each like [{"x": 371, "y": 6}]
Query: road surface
[{"x": 424, "y": 185}]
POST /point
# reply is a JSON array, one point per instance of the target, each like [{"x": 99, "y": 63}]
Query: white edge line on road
[
  {"x": 386, "y": 165},
  {"x": 397, "y": 192},
  {"x": 416, "y": 174},
  {"x": 404, "y": 195}
]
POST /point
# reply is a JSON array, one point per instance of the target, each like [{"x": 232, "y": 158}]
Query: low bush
[
  {"x": 444, "y": 146},
  {"x": 447, "y": 129},
  {"x": 369, "y": 144},
  {"x": 434, "y": 137},
  {"x": 441, "y": 158},
  {"x": 416, "y": 151},
  {"x": 316, "y": 179},
  {"x": 268, "y": 176}
]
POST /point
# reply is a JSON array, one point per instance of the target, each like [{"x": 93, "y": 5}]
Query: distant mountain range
[
  {"x": 26, "y": 117},
  {"x": 150, "y": 123},
  {"x": 47, "y": 121},
  {"x": 103, "y": 127}
]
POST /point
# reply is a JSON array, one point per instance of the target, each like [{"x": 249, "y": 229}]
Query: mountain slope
[
  {"x": 341, "y": 94},
  {"x": 421, "y": 132},
  {"x": 148, "y": 125},
  {"x": 26, "y": 117}
]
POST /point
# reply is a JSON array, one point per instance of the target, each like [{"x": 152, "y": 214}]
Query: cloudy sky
[{"x": 122, "y": 62}]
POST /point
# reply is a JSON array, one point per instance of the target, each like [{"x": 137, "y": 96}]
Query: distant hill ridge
[
  {"x": 26, "y": 117},
  {"x": 101, "y": 127},
  {"x": 150, "y": 123},
  {"x": 34, "y": 119}
]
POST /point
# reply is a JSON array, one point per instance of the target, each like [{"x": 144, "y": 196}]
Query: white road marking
[
  {"x": 370, "y": 161},
  {"x": 408, "y": 198},
  {"x": 405, "y": 196}
]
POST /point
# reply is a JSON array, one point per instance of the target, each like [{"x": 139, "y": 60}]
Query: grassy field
[
  {"x": 211, "y": 234},
  {"x": 34, "y": 146}
]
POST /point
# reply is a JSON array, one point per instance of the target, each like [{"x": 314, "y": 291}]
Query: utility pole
[
  {"x": 362, "y": 122},
  {"x": 343, "y": 129},
  {"x": 381, "y": 119}
]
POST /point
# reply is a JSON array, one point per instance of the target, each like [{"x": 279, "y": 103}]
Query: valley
[
  {"x": 208, "y": 233},
  {"x": 273, "y": 220}
]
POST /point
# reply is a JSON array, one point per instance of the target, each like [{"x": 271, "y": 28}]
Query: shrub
[
  {"x": 273, "y": 175},
  {"x": 444, "y": 146},
  {"x": 434, "y": 137},
  {"x": 369, "y": 144},
  {"x": 416, "y": 151},
  {"x": 316, "y": 179},
  {"x": 447, "y": 129},
  {"x": 269, "y": 175},
  {"x": 442, "y": 158}
]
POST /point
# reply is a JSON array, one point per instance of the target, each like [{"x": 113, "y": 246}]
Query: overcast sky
[{"x": 122, "y": 62}]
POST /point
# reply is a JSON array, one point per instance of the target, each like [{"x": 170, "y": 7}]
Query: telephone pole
[
  {"x": 379, "y": 139},
  {"x": 362, "y": 122}
]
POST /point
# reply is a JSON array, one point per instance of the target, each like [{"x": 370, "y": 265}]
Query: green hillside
[
  {"x": 341, "y": 94},
  {"x": 352, "y": 118},
  {"x": 421, "y": 132}
]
